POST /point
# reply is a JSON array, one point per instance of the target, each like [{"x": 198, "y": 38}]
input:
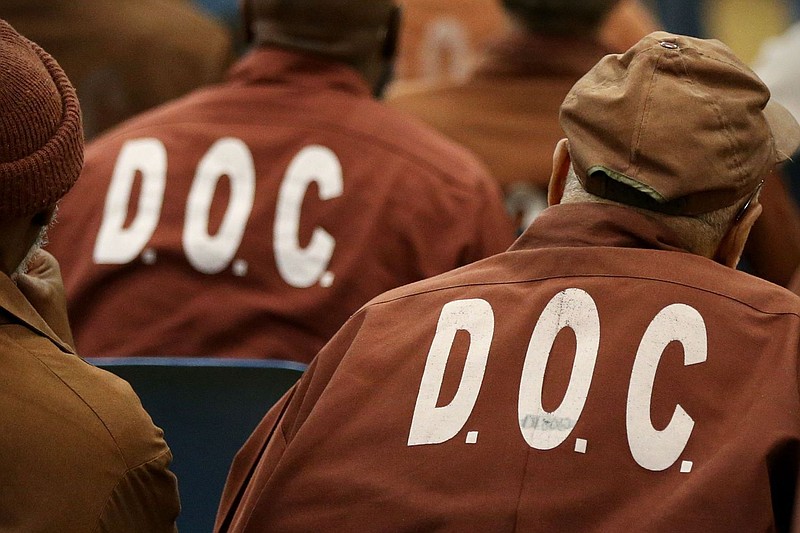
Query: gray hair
[{"x": 700, "y": 234}]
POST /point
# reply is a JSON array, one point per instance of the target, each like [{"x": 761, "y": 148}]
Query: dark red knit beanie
[{"x": 41, "y": 137}]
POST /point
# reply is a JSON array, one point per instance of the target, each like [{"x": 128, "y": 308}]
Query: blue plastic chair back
[{"x": 207, "y": 409}]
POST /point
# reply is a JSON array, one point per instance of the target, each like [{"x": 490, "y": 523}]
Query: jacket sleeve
[
  {"x": 145, "y": 499},
  {"x": 246, "y": 460}
]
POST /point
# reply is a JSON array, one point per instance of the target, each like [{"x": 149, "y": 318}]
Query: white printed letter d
[{"x": 434, "y": 425}]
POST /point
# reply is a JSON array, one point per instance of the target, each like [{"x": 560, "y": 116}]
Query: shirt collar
[
  {"x": 271, "y": 65},
  {"x": 526, "y": 54},
  {"x": 594, "y": 224},
  {"x": 15, "y": 303}
]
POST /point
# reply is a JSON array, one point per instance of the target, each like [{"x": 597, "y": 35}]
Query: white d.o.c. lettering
[
  {"x": 574, "y": 309},
  {"x": 434, "y": 425},
  {"x": 303, "y": 267},
  {"x": 653, "y": 449},
  {"x": 227, "y": 157},
  {"x": 445, "y": 50},
  {"x": 116, "y": 244}
]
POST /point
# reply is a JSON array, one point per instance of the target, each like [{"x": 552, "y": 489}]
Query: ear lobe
[
  {"x": 732, "y": 244},
  {"x": 558, "y": 177}
]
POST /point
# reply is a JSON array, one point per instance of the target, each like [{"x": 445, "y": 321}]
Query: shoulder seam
[
  {"x": 453, "y": 153},
  {"x": 544, "y": 278},
  {"x": 95, "y": 413}
]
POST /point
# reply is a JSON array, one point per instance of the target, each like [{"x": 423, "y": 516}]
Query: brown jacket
[
  {"x": 331, "y": 199},
  {"x": 125, "y": 56},
  {"x": 595, "y": 377},
  {"x": 507, "y": 111},
  {"x": 77, "y": 451}
]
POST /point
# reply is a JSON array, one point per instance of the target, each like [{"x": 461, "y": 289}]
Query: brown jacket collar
[
  {"x": 589, "y": 224},
  {"x": 529, "y": 55}
]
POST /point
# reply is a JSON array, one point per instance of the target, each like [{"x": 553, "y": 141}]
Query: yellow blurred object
[{"x": 744, "y": 24}]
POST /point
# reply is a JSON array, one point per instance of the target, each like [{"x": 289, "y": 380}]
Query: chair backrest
[{"x": 207, "y": 409}]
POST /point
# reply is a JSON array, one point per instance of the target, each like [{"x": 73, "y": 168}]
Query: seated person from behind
[
  {"x": 610, "y": 372},
  {"x": 266, "y": 210},
  {"x": 77, "y": 451},
  {"x": 506, "y": 111}
]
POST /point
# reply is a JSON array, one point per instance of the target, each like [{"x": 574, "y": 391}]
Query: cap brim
[{"x": 785, "y": 130}]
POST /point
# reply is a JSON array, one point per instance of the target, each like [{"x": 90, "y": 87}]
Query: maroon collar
[
  {"x": 520, "y": 54},
  {"x": 590, "y": 224},
  {"x": 270, "y": 65}
]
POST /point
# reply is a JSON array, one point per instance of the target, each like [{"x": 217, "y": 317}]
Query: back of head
[
  {"x": 560, "y": 17},
  {"x": 41, "y": 138},
  {"x": 358, "y": 32}
]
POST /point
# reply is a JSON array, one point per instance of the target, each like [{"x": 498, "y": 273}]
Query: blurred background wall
[{"x": 742, "y": 24}]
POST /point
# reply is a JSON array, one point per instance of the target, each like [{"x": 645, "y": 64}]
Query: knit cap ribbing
[{"x": 41, "y": 136}]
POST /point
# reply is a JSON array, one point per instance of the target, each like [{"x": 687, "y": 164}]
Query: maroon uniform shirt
[
  {"x": 593, "y": 378},
  {"x": 251, "y": 219}
]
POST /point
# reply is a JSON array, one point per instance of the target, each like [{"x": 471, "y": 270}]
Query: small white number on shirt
[
  {"x": 575, "y": 309},
  {"x": 211, "y": 254}
]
